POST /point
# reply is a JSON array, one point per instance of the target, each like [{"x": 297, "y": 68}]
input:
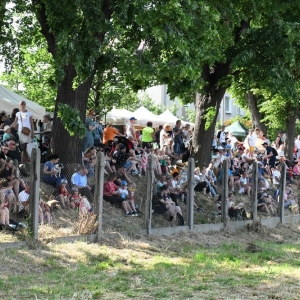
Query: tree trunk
[
  {"x": 211, "y": 97},
  {"x": 255, "y": 114},
  {"x": 290, "y": 130},
  {"x": 69, "y": 147}
]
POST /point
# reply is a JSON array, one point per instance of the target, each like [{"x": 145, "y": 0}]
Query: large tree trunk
[
  {"x": 290, "y": 130},
  {"x": 255, "y": 114},
  {"x": 70, "y": 147},
  {"x": 210, "y": 98}
]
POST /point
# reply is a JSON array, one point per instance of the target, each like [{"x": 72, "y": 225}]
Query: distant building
[{"x": 228, "y": 109}]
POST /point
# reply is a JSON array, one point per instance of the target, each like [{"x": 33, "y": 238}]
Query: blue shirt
[{"x": 79, "y": 180}]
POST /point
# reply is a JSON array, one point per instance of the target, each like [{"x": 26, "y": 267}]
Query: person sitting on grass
[
  {"x": 85, "y": 207},
  {"x": 163, "y": 204},
  {"x": 7, "y": 196},
  {"x": 265, "y": 204},
  {"x": 124, "y": 193},
  {"x": 24, "y": 202},
  {"x": 64, "y": 195},
  {"x": 112, "y": 195},
  {"x": 75, "y": 197},
  {"x": 246, "y": 187},
  {"x": 45, "y": 213}
]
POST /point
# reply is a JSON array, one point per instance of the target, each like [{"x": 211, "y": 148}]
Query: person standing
[
  {"x": 271, "y": 154},
  {"x": 157, "y": 135},
  {"x": 178, "y": 140},
  {"x": 98, "y": 132},
  {"x": 25, "y": 129},
  {"x": 148, "y": 136},
  {"x": 88, "y": 139},
  {"x": 130, "y": 129},
  {"x": 221, "y": 137},
  {"x": 251, "y": 142}
]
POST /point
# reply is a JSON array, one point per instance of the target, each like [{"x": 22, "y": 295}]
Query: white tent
[
  {"x": 168, "y": 117},
  {"x": 10, "y": 100},
  {"x": 143, "y": 115},
  {"x": 118, "y": 116}
]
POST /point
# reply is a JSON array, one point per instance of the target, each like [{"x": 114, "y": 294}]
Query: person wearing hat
[
  {"x": 148, "y": 136},
  {"x": 7, "y": 134},
  {"x": 221, "y": 136},
  {"x": 130, "y": 129},
  {"x": 165, "y": 134},
  {"x": 271, "y": 154}
]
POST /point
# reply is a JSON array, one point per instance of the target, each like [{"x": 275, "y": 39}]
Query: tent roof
[
  {"x": 10, "y": 100},
  {"x": 143, "y": 113},
  {"x": 236, "y": 128}
]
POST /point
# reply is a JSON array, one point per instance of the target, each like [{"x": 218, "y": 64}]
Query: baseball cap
[
  {"x": 264, "y": 195},
  {"x": 74, "y": 189},
  {"x": 123, "y": 182},
  {"x": 220, "y": 148},
  {"x": 132, "y": 118},
  {"x": 265, "y": 143},
  {"x": 6, "y": 127}
]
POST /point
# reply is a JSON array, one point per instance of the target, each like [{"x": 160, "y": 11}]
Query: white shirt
[
  {"x": 222, "y": 137},
  {"x": 123, "y": 193},
  {"x": 23, "y": 197},
  {"x": 129, "y": 131},
  {"x": 162, "y": 139},
  {"x": 277, "y": 174},
  {"x": 251, "y": 141},
  {"x": 297, "y": 144},
  {"x": 24, "y": 119},
  {"x": 243, "y": 180},
  {"x": 233, "y": 140}
]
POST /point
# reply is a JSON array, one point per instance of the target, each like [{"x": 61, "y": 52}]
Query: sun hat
[{"x": 6, "y": 127}]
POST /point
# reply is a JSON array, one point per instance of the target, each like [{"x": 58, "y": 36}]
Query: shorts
[
  {"x": 127, "y": 164},
  {"x": 23, "y": 138},
  {"x": 251, "y": 149}
]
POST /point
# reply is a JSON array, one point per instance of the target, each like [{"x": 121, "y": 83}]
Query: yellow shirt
[{"x": 147, "y": 134}]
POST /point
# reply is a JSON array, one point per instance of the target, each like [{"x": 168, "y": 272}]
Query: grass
[{"x": 154, "y": 268}]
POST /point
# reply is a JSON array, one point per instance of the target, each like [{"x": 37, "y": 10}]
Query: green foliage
[
  {"x": 70, "y": 117},
  {"x": 209, "y": 116},
  {"x": 191, "y": 114}
]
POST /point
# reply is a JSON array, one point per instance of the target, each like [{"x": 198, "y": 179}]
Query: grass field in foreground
[{"x": 142, "y": 270}]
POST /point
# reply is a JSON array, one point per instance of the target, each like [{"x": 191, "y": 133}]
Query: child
[
  {"x": 124, "y": 194},
  {"x": 130, "y": 199},
  {"x": 75, "y": 198},
  {"x": 144, "y": 161},
  {"x": 64, "y": 195},
  {"x": 44, "y": 213},
  {"x": 84, "y": 206}
]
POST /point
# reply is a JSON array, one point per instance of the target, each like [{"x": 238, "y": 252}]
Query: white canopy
[
  {"x": 143, "y": 115},
  {"x": 168, "y": 117},
  {"x": 10, "y": 100},
  {"x": 118, "y": 116}
]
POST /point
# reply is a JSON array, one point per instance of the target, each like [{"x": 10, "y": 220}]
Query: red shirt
[{"x": 109, "y": 188}]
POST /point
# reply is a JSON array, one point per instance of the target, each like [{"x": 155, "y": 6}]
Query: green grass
[{"x": 82, "y": 271}]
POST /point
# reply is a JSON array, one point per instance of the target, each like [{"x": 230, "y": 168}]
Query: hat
[
  {"x": 265, "y": 143},
  {"x": 132, "y": 118},
  {"x": 167, "y": 127},
  {"x": 123, "y": 182},
  {"x": 264, "y": 195},
  {"x": 6, "y": 127},
  {"x": 74, "y": 189},
  {"x": 65, "y": 181},
  {"x": 122, "y": 147},
  {"x": 220, "y": 148}
]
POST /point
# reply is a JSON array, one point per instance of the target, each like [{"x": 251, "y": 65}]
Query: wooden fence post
[
  {"x": 148, "y": 204},
  {"x": 98, "y": 195},
  {"x": 254, "y": 190},
  {"x": 224, "y": 204},
  {"x": 190, "y": 193},
  {"x": 34, "y": 197},
  {"x": 282, "y": 191}
]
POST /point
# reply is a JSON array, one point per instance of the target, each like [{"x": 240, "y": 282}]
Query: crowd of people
[{"x": 126, "y": 155}]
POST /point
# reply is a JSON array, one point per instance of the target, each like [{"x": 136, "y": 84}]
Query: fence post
[
  {"x": 254, "y": 190},
  {"x": 148, "y": 205},
  {"x": 190, "y": 193},
  {"x": 34, "y": 197},
  {"x": 98, "y": 193},
  {"x": 224, "y": 204},
  {"x": 282, "y": 191}
]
